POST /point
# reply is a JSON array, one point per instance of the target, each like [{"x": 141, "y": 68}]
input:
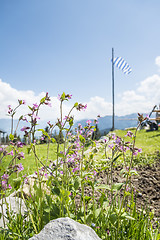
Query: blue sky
[{"x": 65, "y": 45}]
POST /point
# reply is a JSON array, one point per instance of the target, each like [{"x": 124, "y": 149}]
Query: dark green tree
[{"x": 96, "y": 134}]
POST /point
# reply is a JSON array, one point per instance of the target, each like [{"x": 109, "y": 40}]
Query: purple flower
[
  {"x": 21, "y": 102},
  {"x": 111, "y": 146},
  {"x": 20, "y": 155},
  {"x": 94, "y": 173},
  {"x": 118, "y": 140},
  {"x": 10, "y": 110},
  {"x": 75, "y": 169},
  {"x": 140, "y": 150},
  {"x": 66, "y": 118},
  {"x": 135, "y": 153},
  {"x": 4, "y": 185},
  {"x": 35, "y": 106},
  {"x": 107, "y": 231},
  {"x": 46, "y": 175},
  {"x": 26, "y": 180},
  {"x": 42, "y": 138},
  {"x": 61, "y": 172},
  {"x": 129, "y": 134},
  {"x": 9, "y": 186},
  {"x": 81, "y": 107},
  {"x": 20, "y": 167},
  {"x": 35, "y": 117},
  {"x": 5, "y": 176},
  {"x": 64, "y": 97},
  {"x": 59, "y": 97},
  {"x": 48, "y": 103},
  {"x": 11, "y": 153},
  {"x": 24, "y": 128},
  {"x": 19, "y": 144},
  {"x": 24, "y": 119},
  {"x": 88, "y": 122}
]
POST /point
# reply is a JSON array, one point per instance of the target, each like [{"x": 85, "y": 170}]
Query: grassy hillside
[{"x": 148, "y": 141}]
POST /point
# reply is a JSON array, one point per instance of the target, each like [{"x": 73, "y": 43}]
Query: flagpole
[{"x": 112, "y": 90}]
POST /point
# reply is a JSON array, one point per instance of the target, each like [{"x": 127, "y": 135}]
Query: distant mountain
[
  {"x": 5, "y": 125},
  {"x": 105, "y": 123}
]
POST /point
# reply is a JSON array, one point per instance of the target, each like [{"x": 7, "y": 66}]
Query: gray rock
[
  {"x": 66, "y": 229},
  {"x": 15, "y": 204}
]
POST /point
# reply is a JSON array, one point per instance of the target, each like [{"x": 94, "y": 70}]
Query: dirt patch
[{"x": 146, "y": 184}]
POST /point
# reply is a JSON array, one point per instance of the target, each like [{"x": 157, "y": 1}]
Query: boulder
[
  {"x": 15, "y": 204},
  {"x": 66, "y": 229},
  {"x": 27, "y": 188}
]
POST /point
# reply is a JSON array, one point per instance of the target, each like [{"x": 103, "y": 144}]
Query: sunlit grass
[{"x": 148, "y": 141}]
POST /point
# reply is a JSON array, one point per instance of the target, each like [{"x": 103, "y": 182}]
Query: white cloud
[
  {"x": 157, "y": 61},
  {"x": 150, "y": 87},
  {"x": 141, "y": 100},
  {"x": 10, "y": 96},
  {"x": 95, "y": 106}
]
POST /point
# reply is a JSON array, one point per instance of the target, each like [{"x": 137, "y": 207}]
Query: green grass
[
  {"x": 148, "y": 141},
  {"x": 123, "y": 222},
  {"x": 29, "y": 162}
]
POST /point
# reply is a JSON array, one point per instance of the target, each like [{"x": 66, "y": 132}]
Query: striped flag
[{"x": 122, "y": 64}]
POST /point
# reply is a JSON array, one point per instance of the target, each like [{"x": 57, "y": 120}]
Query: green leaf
[
  {"x": 113, "y": 218},
  {"x": 105, "y": 204},
  {"x": 56, "y": 191},
  {"x": 11, "y": 137},
  {"x": 46, "y": 134},
  {"x": 29, "y": 150},
  {"x": 125, "y": 215},
  {"x": 71, "y": 122},
  {"x": 40, "y": 130},
  {"x": 76, "y": 104},
  {"x": 117, "y": 186},
  {"x": 82, "y": 139},
  {"x": 87, "y": 198},
  {"x": 17, "y": 183},
  {"x": 63, "y": 96},
  {"x": 114, "y": 159},
  {"x": 97, "y": 212},
  {"x": 103, "y": 186},
  {"x": 60, "y": 155},
  {"x": 30, "y": 108},
  {"x": 76, "y": 184},
  {"x": 89, "y": 218},
  {"x": 43, "y": 100},
  {"x": 53, "y": 140},
  {"x": 47, "y": 209},
  {"x": 93, "y": 142},
  {"x": 133, "y": 172}
]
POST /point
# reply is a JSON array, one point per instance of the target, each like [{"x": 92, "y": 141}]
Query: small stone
[
  {"x": 139, "y": 194},
  {"x": 15, "y": 204},
  {"x": 66, "y": 229}
]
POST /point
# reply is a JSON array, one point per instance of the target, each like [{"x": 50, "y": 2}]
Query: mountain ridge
[{"x": 121, "y": 122}]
